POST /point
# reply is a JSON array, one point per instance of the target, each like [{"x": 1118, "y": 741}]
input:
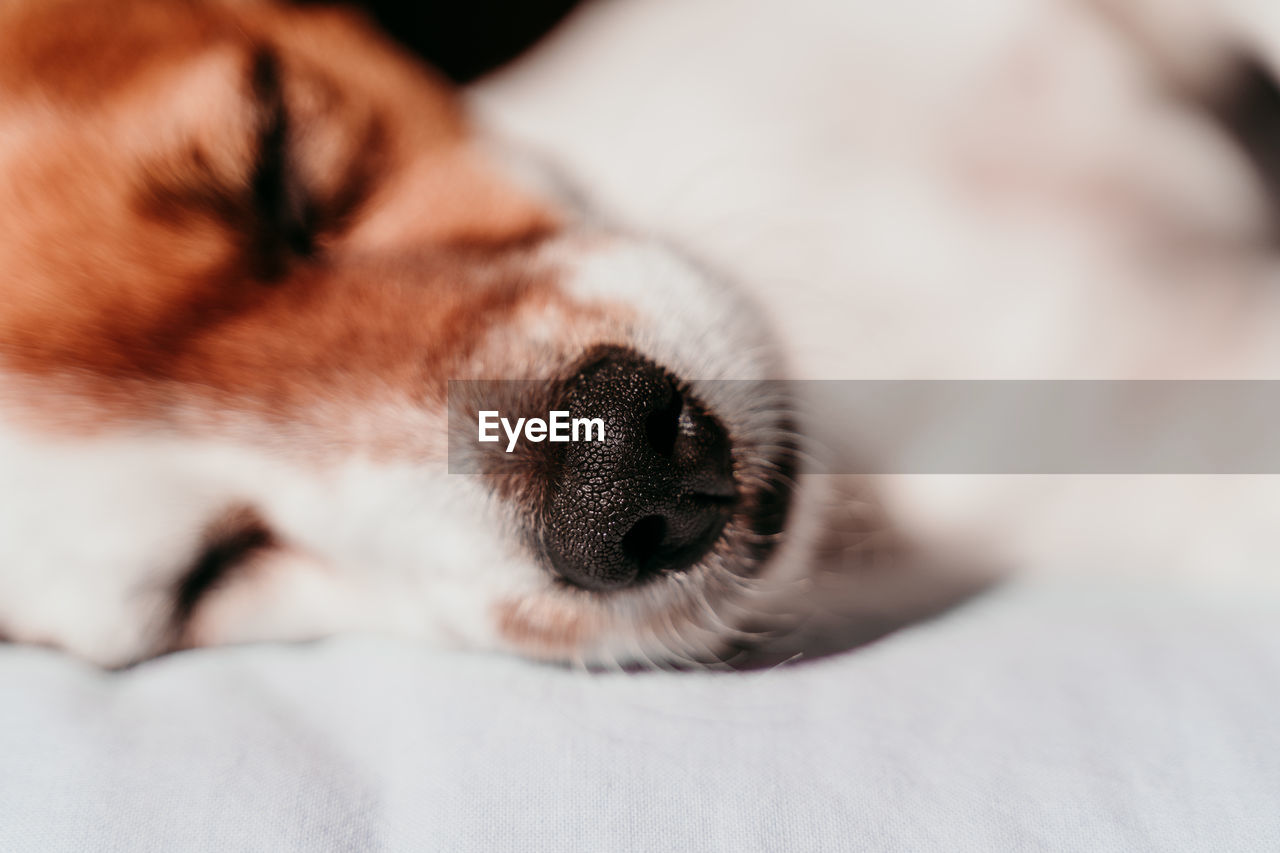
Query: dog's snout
[{"x": 650, "y": 498}]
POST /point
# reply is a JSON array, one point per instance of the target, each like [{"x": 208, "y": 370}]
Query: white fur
[{"x": 989, "y": 189}]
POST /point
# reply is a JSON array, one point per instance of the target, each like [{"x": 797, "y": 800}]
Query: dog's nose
[{"x": 650, "y": 498}]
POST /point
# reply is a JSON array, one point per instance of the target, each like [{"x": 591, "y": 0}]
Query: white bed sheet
[{"x": 1039, "y": 717}]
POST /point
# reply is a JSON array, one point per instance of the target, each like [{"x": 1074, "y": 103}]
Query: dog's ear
[
  {"x": 466, "y": 38},
  {"x": 1215, "y": 61},
  {"x": 1248, "y": 107}
]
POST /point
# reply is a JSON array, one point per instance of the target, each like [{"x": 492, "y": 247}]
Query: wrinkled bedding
[{"x": 1039, "y": 716}]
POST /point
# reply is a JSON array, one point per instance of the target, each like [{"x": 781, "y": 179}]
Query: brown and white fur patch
[{"x": 244, "y": 247}]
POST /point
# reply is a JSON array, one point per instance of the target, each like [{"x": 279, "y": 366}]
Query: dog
[
  {"x": 263, "y": 278},
  {"x": 245, "y": 248}
]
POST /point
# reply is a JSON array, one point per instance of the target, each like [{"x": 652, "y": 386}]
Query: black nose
[{"x": 654, "y": 495}]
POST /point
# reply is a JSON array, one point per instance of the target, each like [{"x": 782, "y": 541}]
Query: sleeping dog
[
  {"x": 244, "y": 248},
  {"x": 245, "y": 251}
]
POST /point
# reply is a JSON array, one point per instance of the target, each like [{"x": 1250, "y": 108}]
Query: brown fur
[{"x": 133, "y": 275}]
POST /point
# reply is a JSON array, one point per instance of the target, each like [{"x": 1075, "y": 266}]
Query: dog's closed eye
[
  {"x": 285, "y": 216},
  {"x": 281, "y": 172}
]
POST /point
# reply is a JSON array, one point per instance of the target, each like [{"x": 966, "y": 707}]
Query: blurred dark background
[{"x": 466, "y": 38}]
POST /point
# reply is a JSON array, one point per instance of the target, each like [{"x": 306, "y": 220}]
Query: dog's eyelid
[{"x": 278, "y": 195}]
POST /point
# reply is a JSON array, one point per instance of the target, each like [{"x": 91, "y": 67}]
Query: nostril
[
  {"x": 663, "y": 425},
  {"x": 643, "y": 543}
]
